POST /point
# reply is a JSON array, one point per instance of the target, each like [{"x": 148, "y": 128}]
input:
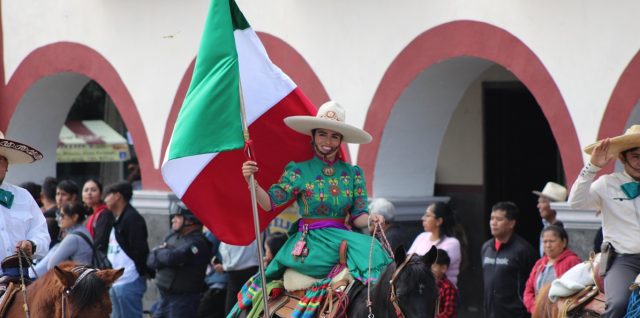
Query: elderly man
[
  {"x": 22, "y": 225},
  {"x": 552, "y": 192},
  {"x": 394, "y": 234},
  {"x": 616, "y": 196}
]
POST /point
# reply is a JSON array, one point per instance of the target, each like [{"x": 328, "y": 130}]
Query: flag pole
[{"x": 254, "y": 206}]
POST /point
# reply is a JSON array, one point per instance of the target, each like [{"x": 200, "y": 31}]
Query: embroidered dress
[{"x": 325, "y": 193}]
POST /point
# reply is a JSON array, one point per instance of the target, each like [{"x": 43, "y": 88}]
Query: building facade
[{"x": 467, "y": 101}]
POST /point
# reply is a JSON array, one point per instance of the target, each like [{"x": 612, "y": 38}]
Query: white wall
[{"x": 585, "y": 44}]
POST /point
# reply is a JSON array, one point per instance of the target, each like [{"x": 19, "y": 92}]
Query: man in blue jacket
[{"x": 181, "y": 262}]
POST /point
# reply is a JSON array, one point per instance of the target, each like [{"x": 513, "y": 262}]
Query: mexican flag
[{"x": 204, "y": 159}]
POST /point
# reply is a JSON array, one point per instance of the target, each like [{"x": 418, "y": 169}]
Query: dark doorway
[{"x": 521, "y": 154}]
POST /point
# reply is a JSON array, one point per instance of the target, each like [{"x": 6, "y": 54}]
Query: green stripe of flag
[{"x": 209, "y": 120}]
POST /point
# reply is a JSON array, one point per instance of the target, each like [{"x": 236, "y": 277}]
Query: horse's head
[
  {"x": 86, "y": 290},
  {"x": 413, "y": 289}
]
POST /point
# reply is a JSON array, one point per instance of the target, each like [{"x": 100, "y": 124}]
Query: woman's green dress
[{"x": 323, "y": 196}]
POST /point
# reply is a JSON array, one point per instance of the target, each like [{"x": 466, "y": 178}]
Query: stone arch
[{"x": 467, "y": 44}]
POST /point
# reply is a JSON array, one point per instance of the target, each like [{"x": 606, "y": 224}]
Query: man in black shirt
[{"x": 507, "y": 260}]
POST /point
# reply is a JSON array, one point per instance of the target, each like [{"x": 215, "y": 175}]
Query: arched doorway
[
  {"x": 438, "y": 156},
  {"x": 93, "y": 142},
  {"x": 51, "y": 102}
]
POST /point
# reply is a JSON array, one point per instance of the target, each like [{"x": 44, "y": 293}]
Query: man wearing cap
[
  {"x": 22, "y": 225},
  {"x": 552, "y": 192},
  {"x": 616, "y": 195},
  {"x": 181, "y": 261}
]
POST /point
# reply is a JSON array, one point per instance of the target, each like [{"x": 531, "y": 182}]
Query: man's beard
[{"x": 327, "y": 153}]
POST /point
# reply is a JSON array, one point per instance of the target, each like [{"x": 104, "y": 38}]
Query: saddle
[
  {"x": 590, "y": 301},
  {"x": 335, "y": 302},
  {"x": 8, "y": 296}
]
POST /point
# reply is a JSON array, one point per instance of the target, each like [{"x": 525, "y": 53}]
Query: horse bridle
[
  {"x": 84, "y": 272},
  {"x": 393, "y": 296}
]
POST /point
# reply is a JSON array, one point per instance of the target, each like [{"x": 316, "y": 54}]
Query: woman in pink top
[{"x": 439, "y": 223}]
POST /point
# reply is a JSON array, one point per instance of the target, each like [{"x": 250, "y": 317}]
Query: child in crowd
[{"x": 447, "y": 290}]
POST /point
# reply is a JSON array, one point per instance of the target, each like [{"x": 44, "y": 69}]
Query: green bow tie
[
  {"x": 6, "y": 198},
  {"x": 631, "y": 189}
]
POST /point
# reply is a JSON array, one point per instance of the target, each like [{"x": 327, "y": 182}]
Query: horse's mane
[
  {"x": 414, "y": 273},
  {"x": 88, "y": 291},
  {"x": 417, "y": 273}
]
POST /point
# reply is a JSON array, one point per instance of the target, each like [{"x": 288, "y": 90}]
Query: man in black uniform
[
  {"x": 181, "y": 262},
  {"x": 507, "y": 260}
]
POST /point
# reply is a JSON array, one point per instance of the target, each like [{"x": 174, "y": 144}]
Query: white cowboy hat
[
  {"x": 553, "y": 192},
  {"x": 16, "y": 152},
  {"x": 330, "y": 116},
  {"x": 630, "y": 139}
]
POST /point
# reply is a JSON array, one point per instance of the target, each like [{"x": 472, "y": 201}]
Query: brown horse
[{"x": 82, "y": 291}]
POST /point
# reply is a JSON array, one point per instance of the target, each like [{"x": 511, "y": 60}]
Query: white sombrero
[
  {"x": 630, "y": 139},
  {"x": 330, "y": 116},
  {"x": 553, "y": 192},
  {"x": 16, "y": 152}
]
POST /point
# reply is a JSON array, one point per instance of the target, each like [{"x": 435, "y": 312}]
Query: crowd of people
[{"x": 197, "y": 275}]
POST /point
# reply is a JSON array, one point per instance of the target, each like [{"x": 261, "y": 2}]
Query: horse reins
[
  {"x": 387, "y": 247},
  {"x": 22, "y": 253},
  {"x": 84, "y": 272},
  {"x": 393, "y": 297}
]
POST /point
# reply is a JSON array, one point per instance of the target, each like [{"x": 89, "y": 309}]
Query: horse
[
  {"x": 67, "y": 290},
  {"x": 406, "y": 289},
  {"x": 589, "y": 302}
]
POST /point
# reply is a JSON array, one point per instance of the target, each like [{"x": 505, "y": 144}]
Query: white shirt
[
  {"x": 120, "y": 259},
  {"x": 620, "y": 216},
  {"x": 23, "y": 221},
  {"x": 235, "y": 258}
]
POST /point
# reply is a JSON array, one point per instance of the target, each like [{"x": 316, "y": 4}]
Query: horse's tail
[{"x": 544, "y": 307}]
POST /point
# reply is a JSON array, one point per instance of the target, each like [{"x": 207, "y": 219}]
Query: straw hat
[
  {"x": 330, "y": 116},
  {"x": 16, "y": 152},
  {"x": 553, "y": 192},
  {"x": 630, "y": 139}
]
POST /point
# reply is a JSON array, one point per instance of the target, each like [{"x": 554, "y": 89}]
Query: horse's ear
[
  {"x": 431, "y": 256},
  {"x": 108, "y": 276},
  {"x": 67, "y": 278},
  {"x": 400, "y": 255}
]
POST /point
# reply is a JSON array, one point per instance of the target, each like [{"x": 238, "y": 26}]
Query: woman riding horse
[{"x": 327, "y": 190}]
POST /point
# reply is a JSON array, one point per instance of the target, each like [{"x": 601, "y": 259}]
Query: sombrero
[
  {"x": 553, "y": 192},
  {"x": 630, "y": 139},
  {"x": 330, "y": 116},
  {"x": 16, "y": 152}
]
